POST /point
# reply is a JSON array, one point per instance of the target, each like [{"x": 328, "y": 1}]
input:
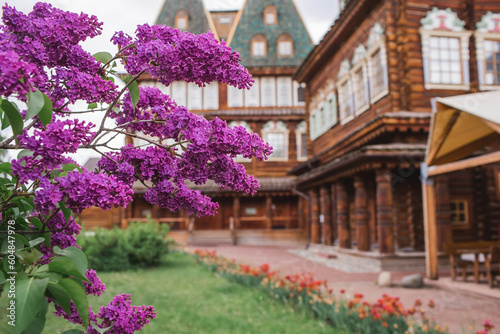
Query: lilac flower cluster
[
  {"x": 119, "y": 315},
  {"x": 169, "y": 55},
  {"x": 64, "y": 238},
  {"x": 49, "y": 146},
  {"x": 96, "y": 287},
  {"x": 16, "y": 76},
  {"x": 49, "y": 38}
]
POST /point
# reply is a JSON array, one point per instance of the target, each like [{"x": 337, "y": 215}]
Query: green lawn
[{"x": 190, "y": 299}]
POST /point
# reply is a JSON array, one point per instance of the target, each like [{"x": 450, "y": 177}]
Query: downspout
[{"x": 309, "y": 208}]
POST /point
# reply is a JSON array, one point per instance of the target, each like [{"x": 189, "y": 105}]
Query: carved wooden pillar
[
  {"x": 333, "y": 208},
  {"x": 443, "y": 216},
  {"x": 236, "y": 212},
  {"x": 344, "y": 233},
  {"x": 300, "y": 212},
  {"x": 361, "y": 215},
  {"x": 269, "y": 212},
  {"x": 326, "y": 212},
  {"x": 315, "y": 237},
  {"x": 385, "y": 212}
]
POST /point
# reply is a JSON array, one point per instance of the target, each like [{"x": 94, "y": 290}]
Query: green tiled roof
[
  {"x": 198, "y": 22},
  {"x": 289, "y": 22}
]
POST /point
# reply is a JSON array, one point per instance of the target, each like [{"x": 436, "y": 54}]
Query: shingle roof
[
  {"x": 252, "y": 23},
  {"x": 198, "y": 22}
]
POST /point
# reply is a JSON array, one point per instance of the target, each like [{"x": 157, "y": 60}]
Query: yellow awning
[{"x": 461, "y": 125}]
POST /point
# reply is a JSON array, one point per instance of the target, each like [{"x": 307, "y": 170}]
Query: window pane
[
  {"x": 444, "y": 63},
  {"x": 277, "y": 141}
]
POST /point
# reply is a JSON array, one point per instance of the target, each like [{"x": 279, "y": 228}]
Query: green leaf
[
  {"x": 92, "y": 106},
  {"x": 35, "y": 103},
  {"x": 6, "y": 167},
  {"x": 66, "y": 212},
  {"x": 37, "y": 325},
  {"x": 45, "y": 114},
  {"x": 15, "y": 119},
  {"x": 77, "y": 255},
  {"x": 36, "y": 242},
  {"x": 133, "y": 89},
  {"x": 77, "y": 294},
  {"x": 24, "y": 153},
  {"x": 29, "y": 300},
  {"x": 22, "y": 239},
  {"x": 72, "y": 331},
  {"x": 5, "y": 121},
  {"x": 65, "y": 265},
  {"x": 30, "y": 256},
  {"x": 103, "y": 57},
  {"x": 71, "y": 166},
  {"x": 60, "y": 296},
  {"x": 98, "y": 329}
]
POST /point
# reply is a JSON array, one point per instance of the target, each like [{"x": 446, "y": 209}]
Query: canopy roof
[{"x": 461, "y": 125}]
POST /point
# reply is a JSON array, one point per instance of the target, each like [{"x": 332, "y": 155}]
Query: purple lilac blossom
[{"x": 16, "y": 76}]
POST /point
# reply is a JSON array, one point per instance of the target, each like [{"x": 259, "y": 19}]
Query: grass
[{"x": 190, "y": 299}]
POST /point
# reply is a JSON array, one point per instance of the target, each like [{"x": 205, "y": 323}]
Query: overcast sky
[{"x": 127, "y": 14}]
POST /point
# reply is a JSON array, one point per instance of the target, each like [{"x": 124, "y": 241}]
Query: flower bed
[{"x": 386, "y": 315}]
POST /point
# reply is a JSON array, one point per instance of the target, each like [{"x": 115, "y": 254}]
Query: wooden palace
[
  {"x": 349, "y": 121},
  {"x": 370, "y": 89}
]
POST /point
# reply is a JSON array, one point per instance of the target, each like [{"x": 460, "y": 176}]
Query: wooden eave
[
  {"x": 402, "y": 121},
  {"x": 365, "y": 159},
  {"x": 354, "y": 13}
]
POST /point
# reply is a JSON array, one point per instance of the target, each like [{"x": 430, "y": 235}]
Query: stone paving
[{"x": 463, "y": 307}]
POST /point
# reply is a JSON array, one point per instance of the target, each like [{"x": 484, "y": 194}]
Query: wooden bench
[{"x": 468, "y": 267}]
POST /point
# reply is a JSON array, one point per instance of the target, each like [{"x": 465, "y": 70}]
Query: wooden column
[
  {"x": 344, "y": 233},
  {"x": 300, "y": 212},
  {"x": 385, "y": 212},
  {"x": 236, "y": 212},
  {"x": 326, "y": 212},
  {"x": 333, "y": 207},
  {"x": 361, "y": 215},
  {"x": 315, "y": 237},
  {"x": 443, "y": 220},
  {"x": 430, "y": 231},
  {"x": 269, "y": 212}
]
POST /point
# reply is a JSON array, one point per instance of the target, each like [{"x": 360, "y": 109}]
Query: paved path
[{"x": 462, "y": 311}]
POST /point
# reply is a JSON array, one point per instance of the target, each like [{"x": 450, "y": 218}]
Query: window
[
  {"x": 345, "y": 102},
  {"x": 445, "y": 50},
  {"x": 268, "y": 91},
  {"x": 492, "y": 62},
  {"x": 234, "y": 97},
  {"x": 360, "y": 92},
  {"x": 252, "y": 95},
  {"x": 285, "y": 46},
  {"x": 459, "y": 214},
  {"x": 445, "y": 61},
  {"x": 182, "y": 20},
  {"x": 259, "y": 46},
  {"x": 270, "y": 15},
  {"x": 284, "y": 90},
  {"x": 276, "y": 134},
  {"x": 299, "y": 94},
  {"x": 332, "y": 108},
  {"x": 488, "y": 51},
  {"x": 377, "y": 63},
  {"x": 301, "y": 137}
]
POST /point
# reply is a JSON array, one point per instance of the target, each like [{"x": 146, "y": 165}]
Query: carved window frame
[
  {"x": 356, "y": 69},
  {"x": 481, "y": 38},
  {"x": 284, "y": 39},
  {"x": 258, "y": 39},
  {"x": 270, "y": 11},
  {"x": 181, "y": 14},
  {"x": 378, "y": 47},
  {"x": 277, "y": 127},
  {"x": 345, "y": 83}
]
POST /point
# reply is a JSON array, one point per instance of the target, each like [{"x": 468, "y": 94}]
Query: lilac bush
[{"x": 44, "y": 71}]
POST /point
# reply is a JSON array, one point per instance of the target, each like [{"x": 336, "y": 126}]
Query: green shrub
[
  {"x": 146, "y": 243},
  {"x": 140, "y": 245}
]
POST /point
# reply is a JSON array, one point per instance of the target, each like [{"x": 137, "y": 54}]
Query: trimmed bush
[{"x": 140, "y": 245}]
